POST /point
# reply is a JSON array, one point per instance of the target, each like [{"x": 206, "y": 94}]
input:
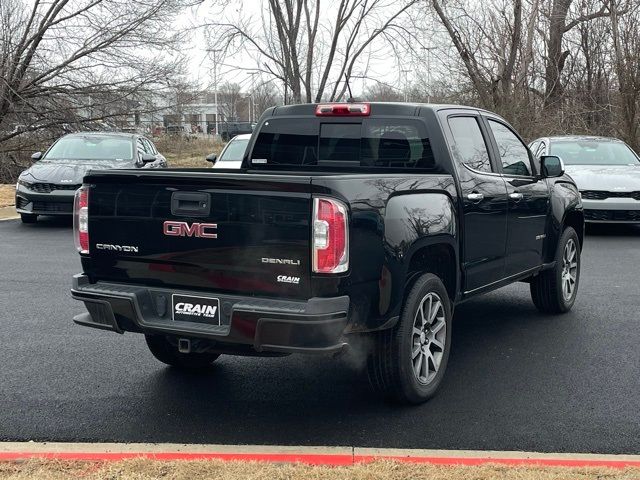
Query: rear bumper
[
  {"x": 249, "y": 325},
  {"x": 58, "y": 202}
]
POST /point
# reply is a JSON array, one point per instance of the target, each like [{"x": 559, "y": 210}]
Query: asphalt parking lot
[{"x": 517, "y": 380}]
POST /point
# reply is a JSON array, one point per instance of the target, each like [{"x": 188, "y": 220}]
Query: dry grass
[
  {"x": 181, "y": 153},
  {"x": 7, "y": 195},
  {"x": 141, "y": 469}
]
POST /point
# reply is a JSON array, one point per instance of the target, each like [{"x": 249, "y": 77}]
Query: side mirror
[
  {"x": 211, "y": 158},
  {"x": 551, "y": 166},
  {"x": 36, "y": 156},
  {"x": 148, "y": 158}
]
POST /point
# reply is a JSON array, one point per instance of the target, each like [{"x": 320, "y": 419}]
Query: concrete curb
[
  {"x": 8, "y": 213},
  {"x": 13, "y": 451}
]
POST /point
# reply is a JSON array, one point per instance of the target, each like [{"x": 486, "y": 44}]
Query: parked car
[
  {"x": 228, "y": 130},
  {"x": 607, "y": 172},
  {"x": 351, "y": 226},
  {"x": 48, "y": 186},
  {"x": 232, "y": 153}
]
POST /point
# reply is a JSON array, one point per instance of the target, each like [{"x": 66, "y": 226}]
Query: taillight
[
  {"x": 330, "y": 236},
  {"x": 343, "y": 110},
  {"x": 81, "y": 219}
]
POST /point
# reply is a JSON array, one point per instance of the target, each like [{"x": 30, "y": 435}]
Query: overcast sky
[{"x": 384, "y": 66}]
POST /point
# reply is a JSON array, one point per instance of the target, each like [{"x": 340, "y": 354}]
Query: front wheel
[
  {"x": 408, "y": 362},
  {"x": 555, "y": 290},
  {"x": 28, "y": 218},
  {"x": 165, "y": 351}
]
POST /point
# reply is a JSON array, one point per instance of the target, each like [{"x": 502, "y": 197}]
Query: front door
[
  {"x": 484, "y": 202},
  {"x": 528, "y": 197}
]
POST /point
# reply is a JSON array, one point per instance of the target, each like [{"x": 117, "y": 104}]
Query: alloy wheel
[
  {"x": 428, "y": 338},
  {"x": 569, "y": 269}
]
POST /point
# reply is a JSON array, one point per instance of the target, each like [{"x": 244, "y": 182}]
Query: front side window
[
  {"x": 513, "y": 153},
  {"x": 91, "y": 147},
  {"x": 469, "y": 147}
]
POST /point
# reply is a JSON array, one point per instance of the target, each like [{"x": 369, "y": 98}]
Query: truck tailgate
[{"x": 199, "y": 230}]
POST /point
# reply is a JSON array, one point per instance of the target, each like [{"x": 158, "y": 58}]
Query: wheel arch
[
  {"x": 575, "y": 219},
  {"x": 437, "y": 255}
]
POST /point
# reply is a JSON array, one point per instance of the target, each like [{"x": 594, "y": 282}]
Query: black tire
[
  {"x": 168, "y": 353},
  {"x": 28, "y": 218},
  {"x": 547, "y": 288},
  {"x": 391, "y": 366}
]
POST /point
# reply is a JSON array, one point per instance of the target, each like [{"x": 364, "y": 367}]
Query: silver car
[{"x": 606, "y": 171}]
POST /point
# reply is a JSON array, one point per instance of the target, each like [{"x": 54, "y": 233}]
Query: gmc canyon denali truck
[{"x": 348, "y": 224}]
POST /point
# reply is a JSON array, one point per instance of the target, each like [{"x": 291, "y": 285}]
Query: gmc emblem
[{"x": 183, "y": 229}]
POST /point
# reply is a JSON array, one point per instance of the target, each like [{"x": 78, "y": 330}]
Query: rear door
[
  {"x": 528, "y": 197},
  {"x": 245, "y": 234},
  {"x": 484, "y": 197}
]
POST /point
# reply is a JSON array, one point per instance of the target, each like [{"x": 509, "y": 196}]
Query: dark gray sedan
[
  {"x": 48, "y": 186},
  {"x": 606, "y": 171}
]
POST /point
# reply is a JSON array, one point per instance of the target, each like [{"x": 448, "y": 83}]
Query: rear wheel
[
  {"x": 555, "y": 290},
  {"x": 28, "y": 218},
  {"x": 168, "y": 353},
  {"x": 408, "y": 362}
]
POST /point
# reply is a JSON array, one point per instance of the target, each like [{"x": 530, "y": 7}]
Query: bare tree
[
  {"x": 264, "y": 96},
  {"x": 310, "y": 48},
  {"x": 488, "y": 41},
  {"x": 380, "y": 92},
  {"x": 229, "y": 95},
  {"x": 626, "y": 41},
  {"x": 79, "y": 61},
  {"x": 556, "y": 57}
]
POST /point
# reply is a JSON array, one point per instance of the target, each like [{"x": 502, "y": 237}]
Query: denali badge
[
  {"x": 281, "y": 261},
  {"x": 183, "y": 229},
  {"x": 287, "y": 279},
  {"x": 117, "y": 248}
]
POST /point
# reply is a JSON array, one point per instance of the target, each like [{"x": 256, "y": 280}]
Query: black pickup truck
[{"x": 348, "y": 226}]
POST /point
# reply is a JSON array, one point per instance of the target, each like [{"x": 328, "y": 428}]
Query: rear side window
[
  {"x": 372, "y": 142},
  {"x": 469, "y": 147}
]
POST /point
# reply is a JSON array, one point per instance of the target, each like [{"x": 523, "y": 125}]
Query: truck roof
[{"x": 384, "y": 108}]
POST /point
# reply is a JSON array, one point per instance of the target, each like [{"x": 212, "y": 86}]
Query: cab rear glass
[{"x": 378, "y": 143}]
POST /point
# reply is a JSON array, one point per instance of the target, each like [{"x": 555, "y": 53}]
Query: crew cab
[{"x": 346, "y": 222}]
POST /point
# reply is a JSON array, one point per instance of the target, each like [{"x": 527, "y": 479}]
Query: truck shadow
[
  {"x": 307, "y": 400},
  {"x": 47, "y": 222}
]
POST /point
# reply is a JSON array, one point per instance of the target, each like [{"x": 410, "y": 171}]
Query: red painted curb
[{"x": 317, "y": 459}]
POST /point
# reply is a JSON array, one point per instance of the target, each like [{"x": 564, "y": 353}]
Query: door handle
[
  {"x": 475, "y": 197},
  {"x": 515, "y": 196}
]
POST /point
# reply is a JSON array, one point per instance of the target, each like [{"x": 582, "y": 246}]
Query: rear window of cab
[{"x": 370, "y": 142}]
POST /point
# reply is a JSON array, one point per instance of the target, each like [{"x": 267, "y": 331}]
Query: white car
[
  {"x": 232, "y": 154},
  {"x": 606, "y": 171}
]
